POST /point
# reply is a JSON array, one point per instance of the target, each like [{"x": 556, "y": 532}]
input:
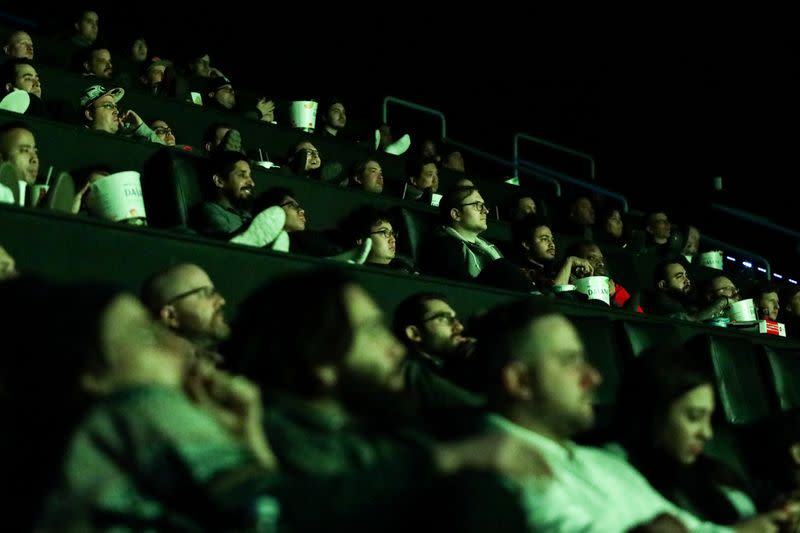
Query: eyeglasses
[
  {"x": 164, "y": 131},
  {"x": 108, "y": 105},
  {"x": 386, "y": 233},
  {"x": 480, "y": 206},
  {"x": 444, "y": 316},
  {"x": 206, "y": 292},
  {"x": 731, "y": 289},
  {"x": 292, "y": 205}
]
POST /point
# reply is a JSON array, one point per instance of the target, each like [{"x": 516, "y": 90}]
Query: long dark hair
[
  {"x": 651, "y": 385},
  {"x": 290, "y": 326}
]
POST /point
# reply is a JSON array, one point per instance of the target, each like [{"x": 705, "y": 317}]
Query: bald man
[
  {"x": 19, "y": 46},
  {"x": 8, "y": 267},
  {"x": 185, "y": 300}
]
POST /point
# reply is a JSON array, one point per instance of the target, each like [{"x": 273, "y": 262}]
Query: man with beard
[
  {"x": 97, "y": 63},
  {"x": 541, "y": 388},
  {"x": 229, "y": 215},
  {"x": 588, "y": 250},
  {"x": 437, "y": 350},
  {"x": 183, "y": 298},
  {"x": 332, "y": 375},
  {"x": 675, "y": 295},
  {"x": 536, "y": 252}
]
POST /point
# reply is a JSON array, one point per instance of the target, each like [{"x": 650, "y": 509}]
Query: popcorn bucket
[
  {"x": 303, "y": 115},
  {"x": 712, "y": 259},
  {"x": 117, "y": 197},
  {"x": 595, "y": 287}
]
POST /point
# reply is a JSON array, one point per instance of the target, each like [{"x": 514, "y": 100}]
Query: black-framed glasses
[
  {"x": 164, "y": 131},
  {"x": 386, "y": 232},
  {"x": 731, "y": 289},
  {"x": 206, "y": 292},
  {"x": 292, "y": 205},
  {"x": 480, "y": 206},
  {"x": 444, "y": 316}
]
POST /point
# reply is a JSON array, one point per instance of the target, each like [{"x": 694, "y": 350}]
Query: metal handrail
[
  {"x": 554, "y": 146},
  {"x": 503, "y": 162},
  {"x": 416, "y": 107},
  {"x": 755, "y": 219},
  {"x": 742, "y": 251},
  {"x": 560, "y": 176}
]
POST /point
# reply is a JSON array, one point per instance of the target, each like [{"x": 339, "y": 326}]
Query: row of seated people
[
  {"x": 306, "y": 153},
  {"x": 535, "y": 257},
  {"x": 334, "y": 119},
  {"x": 355, "y": 423},
  {"x": 24, "y": 77},
  {"x": 20, "y": 46}
]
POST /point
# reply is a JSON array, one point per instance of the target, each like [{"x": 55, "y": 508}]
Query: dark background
[{"x": 663, "y": 107}]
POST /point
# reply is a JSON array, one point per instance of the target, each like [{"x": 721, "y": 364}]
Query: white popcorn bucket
[
  {"x": 595, "y": 287},
  {"x": 303, "y": 114},
  {"x": 712, "y": 259},
  {"x": 743, "y": 311},
  {"x": 117, "y": 197}
]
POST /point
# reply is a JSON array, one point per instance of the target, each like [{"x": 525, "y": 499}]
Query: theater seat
[
  {"x": 636, "y": 336},
  {"x": 744, "y": 392},
  {"x": 172, "y": 188},
  {"x": 784, "y": 370},
  {"x": 415, "y": 226}
]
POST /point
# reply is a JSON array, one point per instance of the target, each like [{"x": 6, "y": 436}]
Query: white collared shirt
[
  {"x": 591, "y": 490},
  {"x": 6, "y": 195}
]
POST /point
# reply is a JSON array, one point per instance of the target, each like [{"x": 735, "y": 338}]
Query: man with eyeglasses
[
  {"x": 301, "y": 240},
  {"x": 183, "y": 298},
  {"x": 719, "y": 287},
  {"x": 164, "y": 132},
  {"x": 333, "y": 382},
  {"x": 675, "y": 295},
  {"x": 101, "y": 113},
  {"x": 455, "y": 249},
  {"x": 368, "y": 223},
  {"x": 434, "y": 337}
]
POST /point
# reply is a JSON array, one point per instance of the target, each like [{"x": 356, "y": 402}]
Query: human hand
[
  {"x": 130, "y": 119},
  {"x": 78, "y": 201},
  {"x": 234, "y": 402},
  {"x": 266, "y": 108},
  {"x": 215, "y": 73},
  {"x": 581, "y": 267}
]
